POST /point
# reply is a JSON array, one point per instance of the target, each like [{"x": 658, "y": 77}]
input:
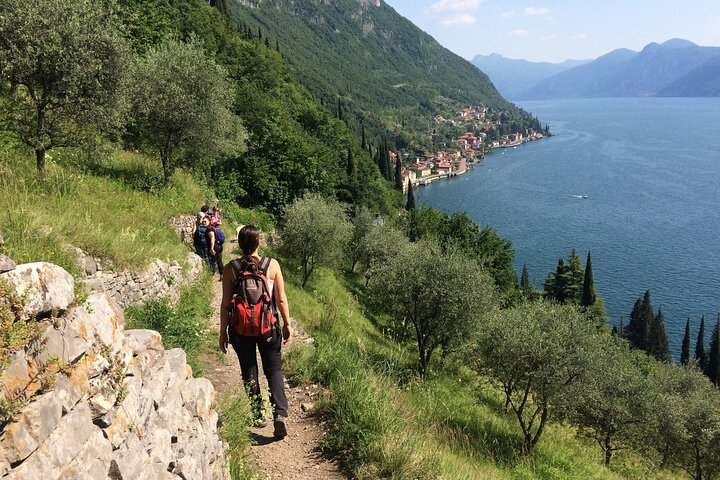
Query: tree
[
  {"x": 641, "y": 320},
  {"x": 183, "y": 102},
  {"x": 315, "y": 232},
  {"x": 588, "y": 292},
  {"x": 685, "y": 353},
  {"x": 361, "y": 225},
  {"x": 658, "y": 345},
  {"x": 700, "y": 346},
  {"x": 713, "y": 365},
  {"x": 379, "y": 245},
  {"x": 538, "y": 352},
  {"x": 441, "y": 295},
  {"x": 398, "y": 174},
  {"x": 410, "y": 204},
  {"x": 685, "y": 427},
  {"x": 66, "y": 63},
  {"x": 612, "y": 400},
  {"x": 526, "y": 287}
]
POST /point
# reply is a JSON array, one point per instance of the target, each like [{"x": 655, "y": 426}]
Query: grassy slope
[
  {"x": 117, "y": 209},
  {"x": 387, "y": 423}
]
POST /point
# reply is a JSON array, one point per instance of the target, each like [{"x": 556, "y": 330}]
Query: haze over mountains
[{"x": 674, "y": 68}]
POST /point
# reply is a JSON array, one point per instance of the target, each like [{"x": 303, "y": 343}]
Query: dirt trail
[{"x": 297, "y": 456}]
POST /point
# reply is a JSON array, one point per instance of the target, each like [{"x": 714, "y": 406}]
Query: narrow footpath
[{"x": 298, "y": 455}]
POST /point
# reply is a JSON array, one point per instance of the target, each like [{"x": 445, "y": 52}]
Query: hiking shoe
[{"x": 280, "y": 427}]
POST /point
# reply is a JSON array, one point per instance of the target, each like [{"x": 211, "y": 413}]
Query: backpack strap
[{"x": 265, "y": 265}]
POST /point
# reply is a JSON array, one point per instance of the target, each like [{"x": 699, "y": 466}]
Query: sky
[{"x": 558, "y": 30}]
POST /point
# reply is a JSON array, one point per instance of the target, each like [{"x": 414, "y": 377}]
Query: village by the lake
[{"x": 487, "y": 131}]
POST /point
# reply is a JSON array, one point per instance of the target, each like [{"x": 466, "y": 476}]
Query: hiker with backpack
[
  {"x": 253, "y": 292},
  {"x": 200, "y": 238},
  {"x": 216, "y": 239}
]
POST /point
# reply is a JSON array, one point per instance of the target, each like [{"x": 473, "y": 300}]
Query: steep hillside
[
  {"x": 513, "y": 77},
  {"x": 675, "y": 67},
  {"x": 379, "y": 67}
]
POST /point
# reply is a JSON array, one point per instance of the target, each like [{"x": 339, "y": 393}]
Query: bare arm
[
  {"x": 211, "y": 236},
  {"x": 227, "y": 287},
  {"x": 281, "y": 299}
]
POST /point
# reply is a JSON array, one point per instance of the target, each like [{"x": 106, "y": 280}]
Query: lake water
[{"x": 651, "y": 171}]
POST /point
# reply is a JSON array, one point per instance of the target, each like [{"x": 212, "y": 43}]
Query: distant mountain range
[
  {"x": 512, "y": 77},
  {"x": 674, "y": 68}
]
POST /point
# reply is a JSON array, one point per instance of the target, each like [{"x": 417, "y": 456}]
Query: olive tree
[
  {"x": 536, "y": 352},
  {"x": 362, "y": 222},
  {"x": 685, "y": 425},
  {"x": 380, "y": 244},
  {"x": 315, "y": 232},
  {"x": 182, "y": 103},
  {"x": 65, "y": 63},
  {"x": 613, "y": 401},
  {"x": 441, "y": 295}
]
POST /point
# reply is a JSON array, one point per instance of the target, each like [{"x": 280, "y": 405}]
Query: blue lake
[{"x": 650, "y": 168}]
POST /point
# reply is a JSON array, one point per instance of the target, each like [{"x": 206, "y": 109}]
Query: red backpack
[{"x": 251, "y": 313}]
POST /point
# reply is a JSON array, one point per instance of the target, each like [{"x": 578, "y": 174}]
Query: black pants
[
  {"x": 217, "y": 259},
  {"x": 245, "y": 348}
]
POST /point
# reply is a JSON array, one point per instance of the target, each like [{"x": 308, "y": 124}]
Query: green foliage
[
  {"x": 387, "y": 75},
  {"x": 700, "y": 355},
  {"x": 105, "y": 216},
  {"x": 493, "y": 253},
  {"x": 613, "y": 402},
  {"x": 66, "y": 66},
  {"x": 572, "y": 285},
  {"x": 646, "y": 330},
  {"x": 362, "y": 223},
  {"x": 537, "y": 352},
  {"x": 181, "y": 102},
  {"x": 685, "y": 428},
  {"x": 315, "y": 232},
  {"x": 183, "y": 326},
  {"x": 235, "y": 422},
  {"x": 685, "y": 352},
  {"x": 713, "y": 365},
  {"x": 15, "y": 332},
  {"x": 439, "y": 295}
]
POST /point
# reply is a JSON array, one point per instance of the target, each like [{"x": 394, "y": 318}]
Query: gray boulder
[{"x": 45, "y": 287}]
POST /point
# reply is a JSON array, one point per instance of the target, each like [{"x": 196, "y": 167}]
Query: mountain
[
  {"x": 361, "y": 56},
  {"x": 514, "y": 77},
  {"x": 676, "y": 67}
]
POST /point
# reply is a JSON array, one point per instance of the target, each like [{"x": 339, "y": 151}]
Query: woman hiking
[{"x": 270, "y": 345}]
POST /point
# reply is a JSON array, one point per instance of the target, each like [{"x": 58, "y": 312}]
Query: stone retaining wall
[
  {"x": 99, "y": 401},
  {"x": 159, "y": 279}
]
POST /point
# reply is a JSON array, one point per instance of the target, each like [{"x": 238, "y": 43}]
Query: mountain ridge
[{"x": 657, "y": 70}]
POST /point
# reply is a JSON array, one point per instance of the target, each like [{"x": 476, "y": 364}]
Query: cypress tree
[
  {"x": 588, "y": 294},
  {"x": 621, "y": 327},
  {"x": 713, "y": 365},
  {"x": 575, "y": 270},
  {"x": 658, "y": 341},
  {"x": 685, "y": 354},
  {"x": 525, "y": 286},
  {"x": 647, "y": 319},
  {"x": 410, "y": 205},
  {"x": 350, "y": 164},
  {"x": 398, "y": 174},
  {"x": 363, "y": 142},
  {"x": 700, "y": 345}
]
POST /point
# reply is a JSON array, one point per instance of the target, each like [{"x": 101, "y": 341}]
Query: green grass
[
  {"x": 112, "y": 216},
  {"x": 390, "y": 424},
  {"x": 184, "y": 326}
]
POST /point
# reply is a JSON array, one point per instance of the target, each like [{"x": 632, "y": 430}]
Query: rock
[
  {"x": 58, "y": 450},
  {"x": 306, "y": 407},
  {"x": 106, "y": 317},
  {"x": 71, "y": 339},
  {"x": 92, "y": 461},
  {"x": 46, "y": 287},
  {"x": 6, "y": 263},
  {"x": 198, "y": 396},
  {"x": 33, "y": 425},
  {"x": 119, "y": 427},
  {"x": 147, "y": 350},
  {"x": 18, "y": 375},
  {"x": 157, "y": 382},
  {"x": 127, "y": 461},
  {"x": 137, "y": 404},
  {"x": 90, "y": 265},
  {"x": 187, "y": 467},
  {"x": 159, "y": 447}
]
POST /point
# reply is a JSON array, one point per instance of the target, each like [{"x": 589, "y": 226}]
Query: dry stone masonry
[
  {"x": 159, "y": 279},
  {"x": 98, "y": 401}
]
